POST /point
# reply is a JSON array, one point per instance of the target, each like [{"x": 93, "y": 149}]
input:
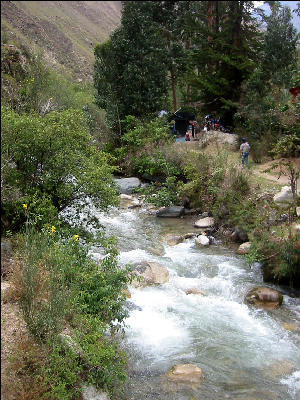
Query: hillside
[{"x": 67, "y": 31}]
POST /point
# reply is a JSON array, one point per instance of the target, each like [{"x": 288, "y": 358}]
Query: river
[{"x": 244, "y": 353}]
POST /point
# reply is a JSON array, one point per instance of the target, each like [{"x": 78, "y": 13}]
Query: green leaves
[
  {"x": 130, "y": 70},
  {"x": 54, "y": 155}
]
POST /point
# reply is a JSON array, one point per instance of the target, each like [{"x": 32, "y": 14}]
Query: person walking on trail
[{"x": 245, "y": 150}]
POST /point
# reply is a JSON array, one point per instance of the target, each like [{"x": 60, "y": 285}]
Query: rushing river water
[{"x": 244, "y": 353}]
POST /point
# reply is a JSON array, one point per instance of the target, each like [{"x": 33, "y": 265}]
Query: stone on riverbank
[
  {"x": 207, "y": 222},
  {"x": 239, "y": 235},
  {"x": 126, "y": 185},
  {"x": 284, "y": 198},
  {"x": 149, "y": 273},
  {"x": 264, "y": 297},
  {"x": 128, "y": 201},
  {"x": 244, "y": 248},
  {"x": 186, "y": 373}
]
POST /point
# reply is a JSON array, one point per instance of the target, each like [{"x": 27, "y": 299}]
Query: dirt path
[{"x": 273, "y": 175}]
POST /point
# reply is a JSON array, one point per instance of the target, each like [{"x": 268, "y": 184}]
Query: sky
[{"x": 291, "y": 4}]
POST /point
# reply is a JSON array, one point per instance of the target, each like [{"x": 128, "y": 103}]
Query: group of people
[
  {"x": 208, "y": 123},
  {"x": 213, "y": 124}
]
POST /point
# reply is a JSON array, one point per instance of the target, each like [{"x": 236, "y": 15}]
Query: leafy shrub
[
  {"x": 280, "y": 256},
  {"x": 142, "y": 150},
  {"x": 287, "y": 146},
  {"x": 164, "y": 194},
  {"x": 53, "y": 155},
  {"x": 57, "y": 281}
]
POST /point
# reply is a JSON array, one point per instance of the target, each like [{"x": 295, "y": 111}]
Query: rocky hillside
[{"x": 67, "y": 31}]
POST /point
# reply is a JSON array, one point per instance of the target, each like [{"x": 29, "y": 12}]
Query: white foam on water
[
  {"x": 229, "y": 270},
  {"x": 136, "y": 255},
  {"x": 293, "y": 383},
  {"x": 156, "y": 329}
]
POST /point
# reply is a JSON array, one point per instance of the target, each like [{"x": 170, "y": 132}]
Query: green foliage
[
  {"x": 99, "y": 286},
  {"x": 289, "y": 259},
  {"x": 266, "y": 114},
  {"x": 279, "y": 253},
  {"x": 279, "y": 46},
  {"x": 53, "y": 156},
  {"x": 287, "y": 146},
  {"x": 59, "y": 281},
  {"x": 130, "y": 70},
  {"x": 165, "y": 194},
  {"x": 104, "y": 361},
  {"x": 144, "y": 149},
  {"x": 42, "y": 300},
  {"x": 61, "y": 373},
  {"x": 28, "y": 84},
  {"x": 205, "y": 175}
]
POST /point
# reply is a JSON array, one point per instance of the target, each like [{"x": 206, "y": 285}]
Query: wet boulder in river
[
  {"x": 194, "y": 291},
  {"x": 172, "y": 239},
  {"x": 186, "y": 373},
  {"x": 264, "y": 297},
  {"x": 202, "y": 240},
  {"x": 149, "y": 273}
]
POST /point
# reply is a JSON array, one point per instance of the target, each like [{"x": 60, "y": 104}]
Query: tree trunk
[
  {"x": 174, "y": 91},
  {"x": 189, "y": 88}
]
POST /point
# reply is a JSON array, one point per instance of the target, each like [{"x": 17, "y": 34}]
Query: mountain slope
[{"x": 67, "y": 31}]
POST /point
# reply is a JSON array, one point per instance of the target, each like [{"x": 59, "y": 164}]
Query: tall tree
[
  {"x": 132, "y": 66},
  {"x": 279, "y": 46},
  {"x": 225, "y": 56}
]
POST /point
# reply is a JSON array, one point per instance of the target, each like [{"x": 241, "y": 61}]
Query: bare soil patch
[{"x": 274, "y": 174}]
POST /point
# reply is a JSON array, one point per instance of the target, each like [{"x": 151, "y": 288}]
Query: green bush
[
  {"x": 280, "y": 256},
  {"x": 59, "y": 282},
  {"x": 54, "y": 155},
  {"x": 287, "y": 146},
  {"x": 142, "y": 150},
  {"x": 164, "y": 194}
]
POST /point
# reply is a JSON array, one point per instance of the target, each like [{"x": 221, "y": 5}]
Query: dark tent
[{"x": 181, "y": 119}]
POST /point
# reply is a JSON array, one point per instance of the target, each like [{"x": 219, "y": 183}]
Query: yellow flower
[
  {"x": 25, "y": 206},
  {"x": 53, "y": 229},
  {"x": 76, "y": 237}
]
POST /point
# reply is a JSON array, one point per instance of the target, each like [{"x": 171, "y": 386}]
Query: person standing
[{"x": 245, "y": 150}]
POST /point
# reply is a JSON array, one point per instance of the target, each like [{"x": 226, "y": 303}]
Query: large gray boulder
[
  {"x": 203, "y": 223},
  {"x": 229, "y": 140},
  {"x": 126, "y": 185},
  {"x": 171, "y": 212},
  {"x": 285, "y": 197},
  {"x": 149, "y": 273}
]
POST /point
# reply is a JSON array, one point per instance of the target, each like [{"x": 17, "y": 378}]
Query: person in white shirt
[{"x": 245, "y": 150}]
